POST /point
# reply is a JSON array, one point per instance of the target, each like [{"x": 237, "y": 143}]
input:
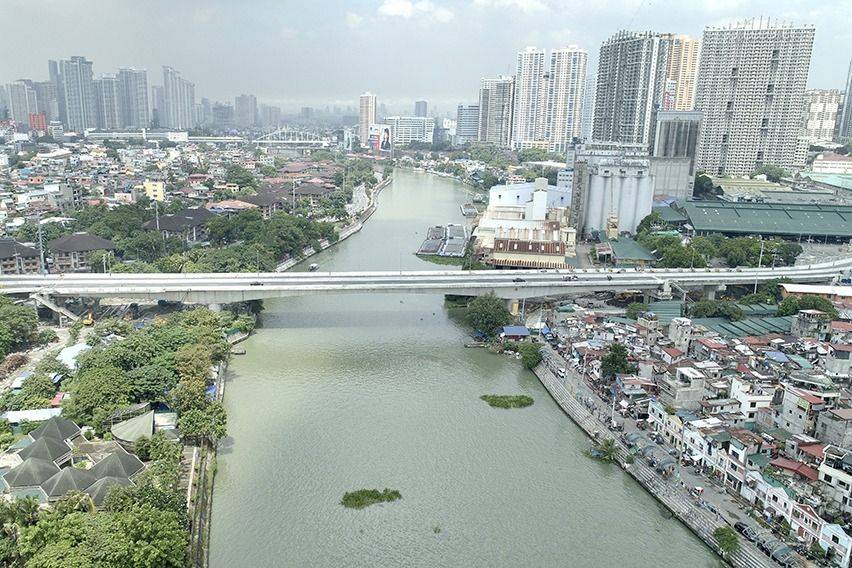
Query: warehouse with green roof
[{"x": 788, "y": 220}]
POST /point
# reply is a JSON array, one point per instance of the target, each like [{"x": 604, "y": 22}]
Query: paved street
[{"x": 592, "y": 414}]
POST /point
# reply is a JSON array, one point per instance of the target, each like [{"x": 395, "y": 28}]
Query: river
[{"x": 338, "y": 393}]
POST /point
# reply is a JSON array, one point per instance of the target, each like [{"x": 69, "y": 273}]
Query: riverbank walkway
[{"x": 667, "y": 491}]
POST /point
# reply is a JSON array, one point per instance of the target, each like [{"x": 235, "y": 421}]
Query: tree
[
  {"x": 240, "y": 176},
  {"x": 615, "y": 361},
  {"x": 772, "y": 173},
  {"x": 18, "y": 326},
  {"x": 789, "y": 306},
  {"x": 192, "y": 362},
  {"x": 730, "y": 310},
  {"x": 649, "y": 223},
  {"x": 792, "y": 305},
  {"x": 209, "y": 422},
  {"x": 817, "y": 551},
  {"x": 487, "y": 314},
  {"x": 608, "y": 450},
  {"x": 703, "y": 309},
  {"x": 818, "y": 303},
  {"x": 151, "y": 382},
  {"x": 530, "y": 355},
  {"x": 727, "y": 539},
  {"x": 101, "y": 389},
  {"x": 635, "y": 309}
]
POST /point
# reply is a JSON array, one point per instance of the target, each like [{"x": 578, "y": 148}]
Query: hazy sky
[{"x": 317, "y": 52}]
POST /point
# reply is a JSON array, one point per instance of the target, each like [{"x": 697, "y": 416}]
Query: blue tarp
[
  {"x": 777, "y": 356},
  {"x": 545, "y": 330}
]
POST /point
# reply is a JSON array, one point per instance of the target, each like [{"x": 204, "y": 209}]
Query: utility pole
[{"x": 41, "y": 246}]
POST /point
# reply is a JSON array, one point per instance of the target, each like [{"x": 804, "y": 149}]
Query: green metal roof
[
  {"x": 748, "y": 326},
  {"x": 839, "y": 180},
  {"x": 670, "y": 214},
  {"x": 667, "y": 310},
  {"x": 791, "y": 219},
  {"x": 625, "y": 248}
]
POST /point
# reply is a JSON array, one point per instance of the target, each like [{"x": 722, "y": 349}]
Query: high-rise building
[
  {"x": 206, "y": 118},
  {"x": 496, "y": 104},
  {"x": 223, "y": 115},
  {"x": 588, "y": 108},
  {"x": 530, "y": 98},
  {"x": 270, "y": 115},
  {"x": 78, "y": 93},
  {"x": 22, "y": 101},
  {"x": 366, "y": 116},
  {"x": 467, "y": 123},
  {"x": 844, "y": 128},
  {"x": 681, "y": 73},
  {"x": 107, "y": 113},
  {"x": 564, "y": 106},
  {"x": 822, "y": 108},
  {"x": 133, "y": 97},
  {"x": 408, "y": 129},
  {"x": 4, "y": 103},
  {"x": 178, "y": 101},
  {"x": 56, "y": 79},
  {"x": 673, "y": 154},
  {"x": 158, "y": 106},
  {"x": 245, "y": 111},
  {"x": 46, "y": 99},
  {"x": 630, "y": 86},
  {"x": 751, "y": 88},
  {"x": 421, "y": 109}
]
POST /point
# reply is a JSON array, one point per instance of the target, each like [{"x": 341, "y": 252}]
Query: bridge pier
[{"x": 711, "y": 289}]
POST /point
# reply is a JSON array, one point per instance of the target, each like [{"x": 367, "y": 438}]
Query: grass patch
[
  {"x": 366, "y": 497},
  {"x": 450, "y": 260},
  {"x": 507, "y": 401}
]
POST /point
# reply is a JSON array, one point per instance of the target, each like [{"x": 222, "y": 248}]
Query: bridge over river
[{"x": 235, "y": 287}]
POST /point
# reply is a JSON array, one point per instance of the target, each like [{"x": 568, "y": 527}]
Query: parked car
[{"x": 517, "y": 280}]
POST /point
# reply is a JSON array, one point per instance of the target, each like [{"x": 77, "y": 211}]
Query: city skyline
[{"x": 286, "y": 42}]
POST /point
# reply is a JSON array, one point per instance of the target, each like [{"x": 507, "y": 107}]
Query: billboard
[{"x": 380, "y": 138}]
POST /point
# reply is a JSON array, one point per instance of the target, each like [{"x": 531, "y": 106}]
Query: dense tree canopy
[
  {"x": 18, "y": 326},
  {"x": 488, "y": 313},
  {"x": 615, "y": 361}
]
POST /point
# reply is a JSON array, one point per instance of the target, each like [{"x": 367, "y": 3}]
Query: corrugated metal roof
[{"x": 770, "y": 218}]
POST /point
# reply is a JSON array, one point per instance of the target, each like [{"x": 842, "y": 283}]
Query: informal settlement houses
[{"x": 763, "y": 406}]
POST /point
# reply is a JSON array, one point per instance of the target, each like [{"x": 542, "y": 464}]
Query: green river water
[{"x": 338, "y": 393}]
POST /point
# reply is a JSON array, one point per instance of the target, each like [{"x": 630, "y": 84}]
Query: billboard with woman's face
[{"x": 381, "y": 140}]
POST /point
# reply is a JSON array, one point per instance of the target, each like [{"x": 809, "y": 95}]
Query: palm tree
[{"x": 608, "y": 450}]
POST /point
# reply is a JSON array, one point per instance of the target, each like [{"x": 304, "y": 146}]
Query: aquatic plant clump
[
  {"x": 366, "y": 497},
  {"x": 507, "y": 401}
]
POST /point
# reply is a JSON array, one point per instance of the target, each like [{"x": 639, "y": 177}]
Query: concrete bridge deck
[{"x": 518, "y": 284}]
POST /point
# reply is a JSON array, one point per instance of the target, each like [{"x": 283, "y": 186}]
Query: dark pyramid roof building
[
  {"x": 31, "y": 473},
  {"x": 80, "y": 242},
  {"x": 118, "y": 464},
  {"x": 58, "y": 428},
  {"x": 68, "y": 479},
  {"x": 101, "y": 488},
  {"x": 47, "y": 448}
]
